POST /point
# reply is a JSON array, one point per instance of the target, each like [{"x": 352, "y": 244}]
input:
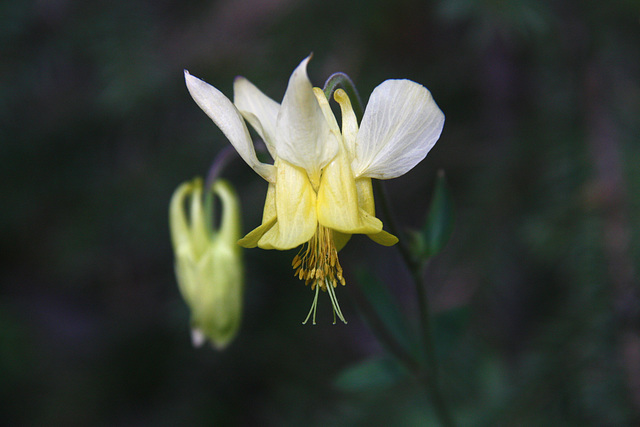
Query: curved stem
[
  {"x": 341, "y": 80},
  {"x": 386, "y": 338},
  {"x": 217, "y": 166},
  {"x": 219, "y": 163},
  {"x": 431, "y": 379}
]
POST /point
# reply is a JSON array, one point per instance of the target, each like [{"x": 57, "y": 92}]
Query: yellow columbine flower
[
  {"x": 208, "y": 265},
  {"x": 320, "y": 189}
]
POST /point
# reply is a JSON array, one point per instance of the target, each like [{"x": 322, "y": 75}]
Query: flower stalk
[
  {"x": 431, "y": 378},
  {"x": 344, "y": 82},
  {"x": 429, "y": 374}
]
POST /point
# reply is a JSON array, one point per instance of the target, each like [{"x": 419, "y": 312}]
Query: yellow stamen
[{"x": 317, "y": 263}]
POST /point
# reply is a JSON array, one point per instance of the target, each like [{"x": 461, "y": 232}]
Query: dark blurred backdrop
[{"x": 540, "y": 147}]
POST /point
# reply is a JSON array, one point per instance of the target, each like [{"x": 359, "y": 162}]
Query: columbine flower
[
  {"x": 208, "y": 261},
  {"x": 320, "y": 189}
]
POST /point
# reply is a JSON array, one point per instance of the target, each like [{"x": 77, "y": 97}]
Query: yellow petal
[
  {"x": 253, "y": 237},
  {"x": 349, "y": 122},
  {"x": 365, "y": 201},
  {"x": 323, "y": 102},
  {"x": 365, "y": 195},
  {"x": 295, "y": 203},
  {"x": 269, "y": 210},
  {"x": 338, "y": 200},
  {"x": 383, "y": 238}
]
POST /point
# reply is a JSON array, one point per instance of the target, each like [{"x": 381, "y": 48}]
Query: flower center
[{"x": 317, "y": 264}]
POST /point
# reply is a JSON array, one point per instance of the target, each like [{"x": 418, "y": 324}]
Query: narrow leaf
[{"x": 439, "y": 224}]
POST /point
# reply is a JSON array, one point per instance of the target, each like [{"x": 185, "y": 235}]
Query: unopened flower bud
[{"x": 208, "y": 260}]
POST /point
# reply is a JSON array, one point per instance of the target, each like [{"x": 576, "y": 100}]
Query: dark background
[{"x": 540, "y": 147}]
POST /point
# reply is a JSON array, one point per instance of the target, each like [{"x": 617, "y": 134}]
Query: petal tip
[
  {"x": 303, "y": 64},
  {"x": 190, "y": 79}
]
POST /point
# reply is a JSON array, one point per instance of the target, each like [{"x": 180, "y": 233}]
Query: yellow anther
[{"x": 296, "y": 261}]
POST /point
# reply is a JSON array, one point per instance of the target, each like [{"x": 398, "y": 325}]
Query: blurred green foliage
[
  {"x": 536, "y": 294},
  {"x": 438, "y": 226}
]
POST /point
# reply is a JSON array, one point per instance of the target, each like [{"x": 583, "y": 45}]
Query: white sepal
[
  {"x": 226, "y": 116},
  {"x": 258, "y": 109},
  {"x": 400, "y": 125},
  {"x": 302, "y": 133}
]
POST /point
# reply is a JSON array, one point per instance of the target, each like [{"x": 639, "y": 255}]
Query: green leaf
[
  {"x": 386, "y": 307},
  {"x": 439, "y": 224},
  {"x": 370, "y": 375}
]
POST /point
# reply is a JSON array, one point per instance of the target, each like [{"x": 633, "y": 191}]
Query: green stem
[
  {"x": 341, "y": 80},
  {"x": 219, "y": 163},
  {"x": 428, "y": 378},
  {"x": 431, "y": 379},
  {"x": 380, "y": 330}
]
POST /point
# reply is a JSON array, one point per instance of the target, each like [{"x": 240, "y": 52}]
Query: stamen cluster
[
  {"x": 318, "y": 265},
  {"x": 317, "y": 262}
]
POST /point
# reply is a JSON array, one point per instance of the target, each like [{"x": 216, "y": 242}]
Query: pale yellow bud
[{"x": 208, "y": 261}]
